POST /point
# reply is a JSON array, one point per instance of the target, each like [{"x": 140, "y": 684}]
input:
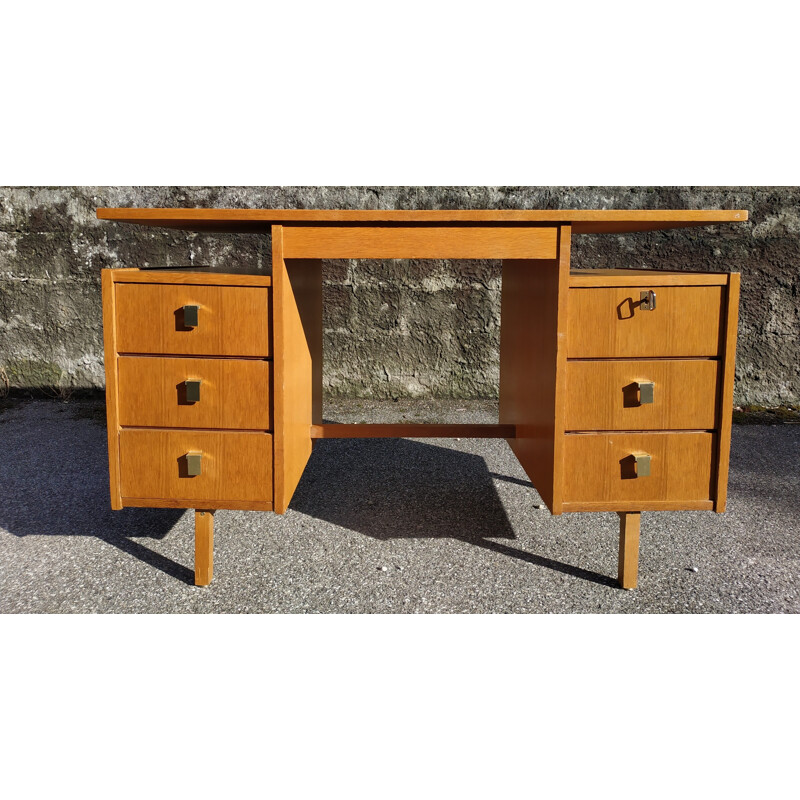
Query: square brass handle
[
  {"x": 646, "y": 389},
  {"x": 193, "y": 464},
  {"x": 642, "y": 461},
  {"x": 190, "y": 316},
  {"x": 192, "y": 391}
]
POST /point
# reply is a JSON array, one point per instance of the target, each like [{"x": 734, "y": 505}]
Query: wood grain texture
[
  {"x": 216, "y": 503},
  {"x": 628, "y": 569},
  {"x": 602, "y": 395},
  {"x": 653, "y": 277},
  {"x": 411, "y": 431},
  {"x": 234, "y": 393},
  {"x": 260, "y": 220},
  {"x": 235, "y": 466},
  {"x": 726, "y": 391},
  {"x": 232, "y": 320},
  {"x": 133, "y": 275},
  {"x": 112, "y": 391},
  {"x": 609, "y": 323},
  {"x": 376, "y": 242},
  {"x": 640, "y": 505},
  {"x": 203, "y": 547},
  {"x": 599, "y": 467},
  {"x": 306, "y": 278},
  {"x": 297, "y": 304},
  {"x": 533, "y": 365}
]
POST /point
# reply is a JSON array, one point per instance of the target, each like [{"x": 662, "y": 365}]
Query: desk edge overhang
[{"x": 229, "y": 220}]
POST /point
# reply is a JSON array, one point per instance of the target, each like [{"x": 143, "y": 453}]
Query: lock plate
[{"x": 647, "y": 300}]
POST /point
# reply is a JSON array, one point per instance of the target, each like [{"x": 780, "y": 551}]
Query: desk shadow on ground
[
  {"x": 60, "y": 488},
  {"x": 404, "y": 488}
]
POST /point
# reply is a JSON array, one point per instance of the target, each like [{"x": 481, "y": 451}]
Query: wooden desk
[{"x": 616, "y": 386}]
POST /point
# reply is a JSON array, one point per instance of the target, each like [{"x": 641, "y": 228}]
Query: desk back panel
[{"x": 422, "y": 242}]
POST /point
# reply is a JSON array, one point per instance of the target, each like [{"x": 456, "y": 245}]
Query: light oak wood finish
[
  {"x": 112, "y": 391},
  {"x": 259, "y": 220},
  {"x": 235, "y": 466},
  {"x": 599, "y": 468},
  {"x": 234, "y": 393},
  {"x": 610, "y": 323},
  {"x": 216, "y": 503},
  {"x": 595, "y": 278},
  {"x": 411, "y": 431},
  {"x": 603, "y": 396},
  {"x": 533, "y": 320},
  {"x": 548, "y": 314},
  {"x": 306, "y": 278},
  {"x": 297, "y": 309},
  {"x": 232, "y": 321},
  {"x": 191, "y": 277},
  {"x": 476, "y": 242},
  {"x": 203, "y": 547},
  {"x": 726, "y": 391},
  {"x": 628, "y": 571},
  {"x": 639, "y": 505}
]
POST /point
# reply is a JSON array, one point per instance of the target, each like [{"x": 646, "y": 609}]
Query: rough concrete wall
[{"x": 398, "y": 328}]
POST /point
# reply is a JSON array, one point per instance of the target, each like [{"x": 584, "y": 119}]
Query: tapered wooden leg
[
  {"x": 203, "y": 547},
  {"x": 628, "y": 548}
]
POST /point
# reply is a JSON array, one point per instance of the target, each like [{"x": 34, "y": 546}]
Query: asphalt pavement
[{"x": 384, "y": 526}]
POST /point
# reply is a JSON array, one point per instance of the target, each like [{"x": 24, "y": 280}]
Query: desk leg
[
  {"x": 203, "y": 547},
  {"x": 628, "y": 548}
]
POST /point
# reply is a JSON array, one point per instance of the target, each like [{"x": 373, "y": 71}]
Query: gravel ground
[{"x": 384, "y": 526}]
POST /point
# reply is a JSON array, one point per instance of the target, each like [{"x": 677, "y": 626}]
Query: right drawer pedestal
[{"x": 644, "y": 380}]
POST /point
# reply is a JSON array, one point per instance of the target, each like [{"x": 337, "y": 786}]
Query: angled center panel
[{"x": 533, "y": 319}]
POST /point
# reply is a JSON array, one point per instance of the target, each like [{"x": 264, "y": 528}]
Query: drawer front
[
  {"x": 610, "y": 322},
  {"x": 233, "y": 466},
  {"x": 600, "y": 467},
  {"x": 231, "y": 320},
  {"x": 233, "y": 393},
  {"x": 607, "y": 395}
]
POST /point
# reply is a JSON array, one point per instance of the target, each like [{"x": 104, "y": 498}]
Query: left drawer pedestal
[{"x": 189, "y": 394}]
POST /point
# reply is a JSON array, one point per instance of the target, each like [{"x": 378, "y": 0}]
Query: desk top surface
[{"x": 259, "y": 220}]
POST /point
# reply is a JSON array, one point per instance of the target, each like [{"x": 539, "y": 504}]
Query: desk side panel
[
  {"x": 112, "y": 394},
  {"x": 533, "y": 365},
  {"x": 297, "y": 315},
  {"x": 726, "y": 392}
]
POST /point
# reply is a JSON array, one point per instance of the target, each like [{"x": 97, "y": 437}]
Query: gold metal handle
[
  {"x": 642, "y": 461},
  {"x": 645, "y": 389},
  {"x": 648, "y": 300},
  {"x": 192, "y": 391},
  {"x": 190, "y": 316},
  {"x": 193, "y": 464}
]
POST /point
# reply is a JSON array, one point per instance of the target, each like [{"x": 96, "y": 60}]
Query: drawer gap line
[
  {"x": 648, "y": 358},
  {"x": 193, "y": 355},
  {"x": 193, "y": 428},
  {"x": 640, "y": 430}
]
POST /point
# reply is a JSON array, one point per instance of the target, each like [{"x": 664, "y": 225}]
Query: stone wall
[{"x": 397, "y": 328}]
